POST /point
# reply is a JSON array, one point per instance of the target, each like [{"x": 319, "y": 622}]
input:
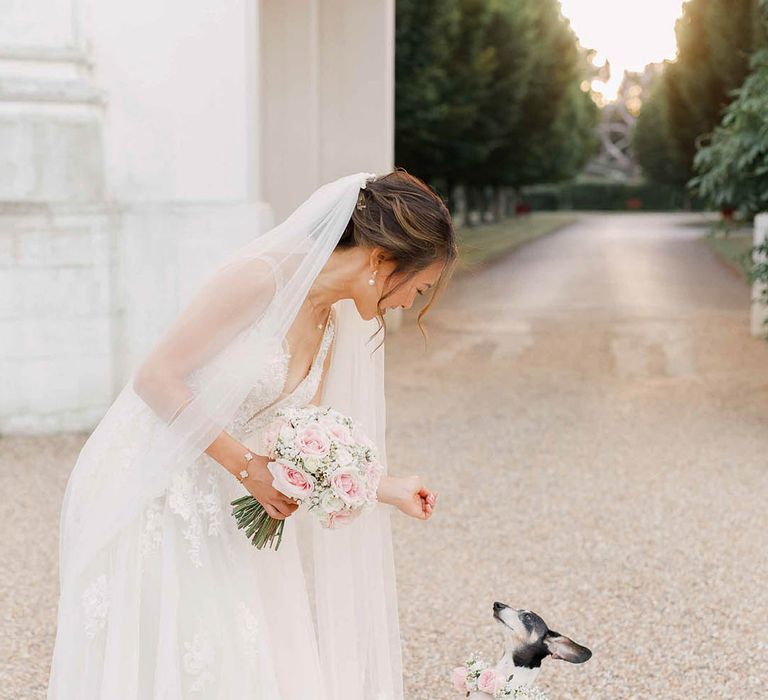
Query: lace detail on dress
[
  {"x": 199, "y": 494},
  {"x": 151, "y": 529},
  {"x": 198, "y": 507},
  {"x": 198, "y": 660},
  {"x": 95, "y": 601},
  {"x": 249, "y": 629}
]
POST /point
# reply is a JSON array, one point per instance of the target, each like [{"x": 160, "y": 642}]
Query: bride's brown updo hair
[{"x": 407, "y": 218}]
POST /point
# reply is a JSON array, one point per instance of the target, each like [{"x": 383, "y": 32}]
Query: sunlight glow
[{"x": 628, "y": 33}]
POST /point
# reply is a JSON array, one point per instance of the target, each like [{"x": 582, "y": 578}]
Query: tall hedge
[
  {"x": 715, "y": 39},
  {"x": 488, "y": 92},
  {"x": 732, "y": 164}
]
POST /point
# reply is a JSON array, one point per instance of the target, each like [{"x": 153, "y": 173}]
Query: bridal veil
[{"x": 236, "y": 319}]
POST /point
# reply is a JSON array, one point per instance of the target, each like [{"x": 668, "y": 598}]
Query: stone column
[
  {"x": 357, "y": 86},
  {"x": 357, "y": 92},
  {"x": 289, "y": 102},
  {"x": 327, "y": 94}
]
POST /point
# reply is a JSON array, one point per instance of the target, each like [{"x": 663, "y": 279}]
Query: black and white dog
[{"x": 527, "y": 641}]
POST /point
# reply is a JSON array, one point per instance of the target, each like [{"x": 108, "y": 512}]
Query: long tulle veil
[{"x": 238, "y": 316}]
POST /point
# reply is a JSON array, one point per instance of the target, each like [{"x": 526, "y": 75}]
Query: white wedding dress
[
  {"x": 214, "y": 616},
  {"x": 161, "y": 597}
]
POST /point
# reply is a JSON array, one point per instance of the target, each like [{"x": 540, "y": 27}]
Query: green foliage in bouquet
[{"x": 261, "y": 529}]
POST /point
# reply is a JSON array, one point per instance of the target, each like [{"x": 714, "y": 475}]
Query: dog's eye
[{"x": 527, "y": 617}]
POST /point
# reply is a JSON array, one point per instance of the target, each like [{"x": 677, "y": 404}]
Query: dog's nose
[{"x": 498, "y": 606}]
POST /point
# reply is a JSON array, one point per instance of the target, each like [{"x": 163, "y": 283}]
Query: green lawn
[
  {"x": 733, "y": 248},
  {"x": 480, "y": 244}
]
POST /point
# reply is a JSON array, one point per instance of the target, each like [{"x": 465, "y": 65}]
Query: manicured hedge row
[{"x": 615, "y": 196}]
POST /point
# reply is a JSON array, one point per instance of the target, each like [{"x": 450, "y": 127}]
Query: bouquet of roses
[
  {"x": 320, "y": 457},
  {"x": 476, "y": 676}
]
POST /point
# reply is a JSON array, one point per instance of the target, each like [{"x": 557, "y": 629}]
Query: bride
[{"x": 161, "y": 596}]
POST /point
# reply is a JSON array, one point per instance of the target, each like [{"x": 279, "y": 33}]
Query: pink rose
[
  {"x": 373, "y": 474},
  {"x": 290, "y": 481},
  {"x": 489, "y": 681},
  {"x": 313, "y": 441},
  {"x": 459, "y": 678},
  {"x": 346, "y": 486}
]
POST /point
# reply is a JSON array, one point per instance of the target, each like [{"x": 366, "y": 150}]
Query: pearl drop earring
[{"x": 372, "y": 281}]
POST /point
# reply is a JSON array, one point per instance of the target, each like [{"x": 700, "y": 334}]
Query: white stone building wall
[
  {"x": 139, "y": 144},
  {"x": 56, "y": 364}
]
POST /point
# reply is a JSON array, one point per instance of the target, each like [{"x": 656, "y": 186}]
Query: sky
[{"x": 629, "y": 33}]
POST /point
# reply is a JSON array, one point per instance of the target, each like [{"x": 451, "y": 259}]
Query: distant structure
[
  {"x": 141, "y": 143},
  {"x": 614, "y": 160}
]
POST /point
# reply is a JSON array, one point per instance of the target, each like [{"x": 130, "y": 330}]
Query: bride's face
[{"x": 385, "y": 279}]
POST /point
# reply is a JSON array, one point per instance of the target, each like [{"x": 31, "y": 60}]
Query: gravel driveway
[
  {"x": 593, "y": 412},
  {"x": 594, "y": 415}
]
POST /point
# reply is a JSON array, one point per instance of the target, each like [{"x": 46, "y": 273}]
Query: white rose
[
  {"x": 312, "y": 464},
  {"x": 330, "y": 502},
  {"x": 343, "y": 456}
]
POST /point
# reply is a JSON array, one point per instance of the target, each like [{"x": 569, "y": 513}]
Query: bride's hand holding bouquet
[
  {"x": 321, "y": 457},
  {"x": 277, "y": 505}
]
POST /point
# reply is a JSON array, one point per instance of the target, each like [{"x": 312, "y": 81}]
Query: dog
[{"x": 527, "y": 642}]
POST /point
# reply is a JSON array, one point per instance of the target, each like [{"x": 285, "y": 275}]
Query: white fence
[{"x": 759, "y": 308}]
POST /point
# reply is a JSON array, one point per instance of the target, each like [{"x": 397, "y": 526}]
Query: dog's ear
[{"x": 561, "y": 647}]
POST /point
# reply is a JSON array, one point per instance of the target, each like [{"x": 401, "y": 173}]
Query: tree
[
  {"x": 715, "y": 39},
  {"x": 488, "y": 92},
  {"x": 733, "y": 165},
  {"x": 466, "y": 132},
  {"x": 422, "y": 46},
  {"x": 651, "y": 140},
  {"x": 545, "y": 122}
]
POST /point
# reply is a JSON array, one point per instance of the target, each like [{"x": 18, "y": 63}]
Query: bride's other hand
[
  {"x": 259, "y": 485},
  {"x": 408, "y": 494}
]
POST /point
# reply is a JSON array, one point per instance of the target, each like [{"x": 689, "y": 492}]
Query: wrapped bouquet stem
[{"x": 320, "y": 458}]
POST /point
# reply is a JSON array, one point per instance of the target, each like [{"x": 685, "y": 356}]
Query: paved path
[{"x": 594, "y": 415}]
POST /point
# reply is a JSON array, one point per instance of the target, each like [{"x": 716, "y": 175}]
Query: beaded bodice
[{"x": 268, "y": 393}]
